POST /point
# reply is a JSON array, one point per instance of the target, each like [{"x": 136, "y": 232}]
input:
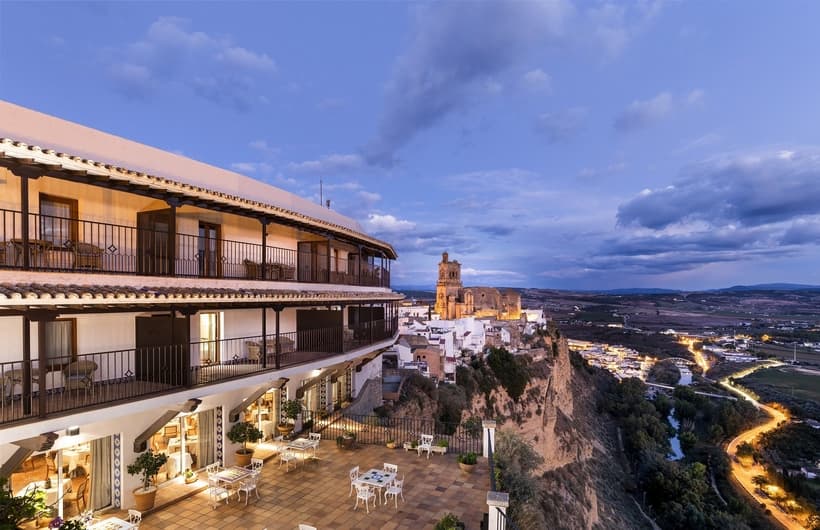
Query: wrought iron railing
[
  {"x": 503, "y": 520},
  {"x": 76, "y": 245},
  {"x": 73, "y": 383},
  {"x": 372, "y": 429}
]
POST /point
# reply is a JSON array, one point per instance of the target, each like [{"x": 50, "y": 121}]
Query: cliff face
[{"x": 580, "y": 482}]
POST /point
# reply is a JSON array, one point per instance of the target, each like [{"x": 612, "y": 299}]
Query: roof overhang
[{"x": 35, "y": 162}]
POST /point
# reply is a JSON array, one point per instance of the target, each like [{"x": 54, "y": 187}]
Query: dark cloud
[
  {"x": 495, "y": 230},
  {"x": 802, "y": 232},
  {"x": 562, "y": 125},
  {"x": 455, "y": 50},
  {"x": 748, "y": 190}
]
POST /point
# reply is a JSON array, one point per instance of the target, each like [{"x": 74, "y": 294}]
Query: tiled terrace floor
[{"x": 317, "y": 493}]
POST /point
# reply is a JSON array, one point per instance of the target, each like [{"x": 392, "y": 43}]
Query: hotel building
[{"x": 148, "y": 300}]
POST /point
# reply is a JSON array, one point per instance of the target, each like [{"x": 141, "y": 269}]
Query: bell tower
[{"x": 448, "y": 287}]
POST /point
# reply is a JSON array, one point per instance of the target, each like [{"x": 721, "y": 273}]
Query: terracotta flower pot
[
  {"x": 144, "y": 499},
  {"x": 242, "y": 458},
  {"x": 467, "y": 468}
]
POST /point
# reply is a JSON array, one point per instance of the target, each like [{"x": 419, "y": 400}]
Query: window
[
  {"x": 58, "y": 220},
  {"x": 61, "y": 340}
]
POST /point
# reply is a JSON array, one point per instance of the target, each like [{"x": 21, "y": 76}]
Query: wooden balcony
[
  {"x": 59, "y": 244},
  {"x": 91, "y": 380}
]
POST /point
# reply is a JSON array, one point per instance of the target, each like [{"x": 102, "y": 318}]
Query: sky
[{"x": 559, "y": 144}]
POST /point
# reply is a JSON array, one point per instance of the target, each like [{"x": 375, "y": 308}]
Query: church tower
[{"x": 448, "y": 287}]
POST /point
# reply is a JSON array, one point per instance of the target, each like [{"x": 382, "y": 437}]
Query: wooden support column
[
  {"x": 343, "y": 327},
  {"x": 328, "y": 279},
  {"x": 264, "y": 221},
  {"x": 359, "y": 263},
  {"x": 265, "y": 336},
  {"x": 27, "y": 365},
  {"x": 24, "y": 222},
  {"x": 370, "y": 310},
  {"x": 42, "y": 362},
  {"x": 278, "y": 347},
  {"x": 186, "y": 351},
  {"x": 172, "y": 237}
]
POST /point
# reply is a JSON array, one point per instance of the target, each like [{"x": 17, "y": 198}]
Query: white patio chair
[
  {"x": 247, "y": 486},
  {"x": 314, "y": 438},
  {"x": 364, "y": 493},
  {"x": 390, "y": 468},
  {"x": 216, "y": 492},
  {"x": 257, "y": 464},
  {"x": 135, "y": 517},
  {"x": 426, "y": 444},
  {"x": 354, "y": 479},
  {"x": 287, "y": 457},
  {"x": 394, "y": 490}
]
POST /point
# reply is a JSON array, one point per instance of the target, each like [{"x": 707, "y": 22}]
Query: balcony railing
[
  {"x": 94, "y": 379},
  {"x": 67, "y": 244}
]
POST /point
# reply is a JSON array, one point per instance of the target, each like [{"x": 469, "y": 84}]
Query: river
[{"x": 677, "y": 452}]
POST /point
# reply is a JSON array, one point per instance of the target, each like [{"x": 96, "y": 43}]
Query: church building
[{"x": 454, "y": 301}]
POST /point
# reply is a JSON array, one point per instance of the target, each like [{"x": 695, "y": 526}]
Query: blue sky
[{"x": 553, "y": 144}]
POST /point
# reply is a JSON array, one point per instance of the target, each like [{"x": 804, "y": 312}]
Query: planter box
[
  {"x": 438, "y": 450},
  {"x": 408, "y": 447}
]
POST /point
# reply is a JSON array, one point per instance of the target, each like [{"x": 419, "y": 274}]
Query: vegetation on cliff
[{"x": 679, "y": 494}]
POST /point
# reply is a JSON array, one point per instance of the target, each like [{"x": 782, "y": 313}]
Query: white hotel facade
[{"x": 151, "y": 300}]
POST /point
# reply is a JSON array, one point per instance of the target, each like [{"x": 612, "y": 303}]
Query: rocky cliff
[{"x": 582, "y": 481}]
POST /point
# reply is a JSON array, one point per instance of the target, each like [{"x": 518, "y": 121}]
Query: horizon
[{"x": 563, "y": 145}]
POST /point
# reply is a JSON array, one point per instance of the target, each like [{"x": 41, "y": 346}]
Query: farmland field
[{"x": 802, "y": 383}]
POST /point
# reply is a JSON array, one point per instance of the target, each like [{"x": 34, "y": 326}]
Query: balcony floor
[{"x": 316, "y": 493}]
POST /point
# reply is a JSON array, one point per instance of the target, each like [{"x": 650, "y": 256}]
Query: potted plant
[
  {"x": 292, "y": 409},
  {"x": 449, "y": 522},
  {"x": 241, "y": 433},
  {"x": 147, "y": 464},
  {"x": 190, "y": 476},
  {"x": 467, "y": 461},
  {"x": 346, "y": 440},
  {"x": 14, "y": 510},
  {"x": 67, "y": 524},
  {"x": 441, "y": 446},
  {"x": 391, "y": 444}
]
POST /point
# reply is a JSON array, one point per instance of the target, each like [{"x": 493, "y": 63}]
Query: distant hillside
[
  {"x": 636, "y": 290},
  {"x": 772, "y": 287}
]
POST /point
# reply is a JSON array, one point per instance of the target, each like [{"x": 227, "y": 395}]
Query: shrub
[
  {"x": 469, "y": 459},
  {"x": 448, "y": 522}
]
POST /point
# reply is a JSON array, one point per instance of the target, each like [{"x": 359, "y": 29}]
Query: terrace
[{"x": 316, "y": 493}]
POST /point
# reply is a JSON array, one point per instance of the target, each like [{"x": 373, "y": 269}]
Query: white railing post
[
  {"x": 489, "y": 437},
  {"x": 497, "y": 500}
]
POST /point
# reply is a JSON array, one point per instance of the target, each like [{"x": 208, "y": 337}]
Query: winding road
[{"x": 744, "y": 475}]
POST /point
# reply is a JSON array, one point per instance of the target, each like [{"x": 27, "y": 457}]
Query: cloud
[
  {"x": 328, "y": 164},
  {"x": 695, "y": 97},
  {"x": 641, "y": 114},
  {"x": 537, "y": 80},
  {"x": 264, "y": 147},
  {"x": 749, "y": 190},
  {"x": 252, "y": 167},
  {"x": 611, "y": 25},
  {"x": 387, "y": 224},
  {"x": 701, "y": 141},
  {"x": 561, "y": 126},
  {"x": 449, "y": 61},
  {"x": 171, "y": 55},
  {"x": 495, "y": 230},
  {"x": 245, "y": 59},
  {"x": 469, "y": 271}
]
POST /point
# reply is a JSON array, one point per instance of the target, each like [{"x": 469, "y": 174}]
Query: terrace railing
[
  {"x": 76, "y": 245},
  {"x": 89, "y": 380},
  {"x": 372, "y": 429}
]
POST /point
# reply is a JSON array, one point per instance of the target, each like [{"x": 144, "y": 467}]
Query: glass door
[{"x": 208, "y": 252}]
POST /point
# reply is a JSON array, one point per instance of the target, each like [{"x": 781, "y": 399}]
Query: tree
[{"x": 760, "y": 480}]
